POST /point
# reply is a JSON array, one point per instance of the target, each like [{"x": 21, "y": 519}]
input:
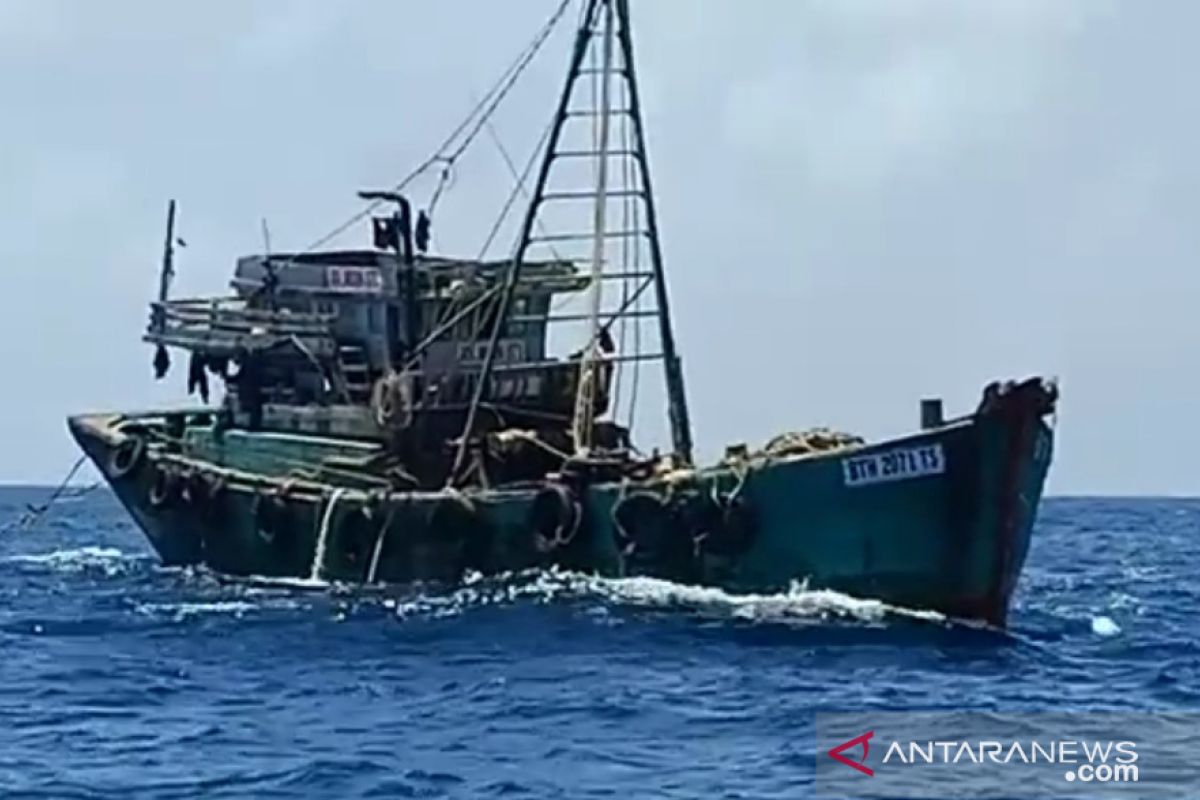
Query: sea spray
[
  {"x": 72, "y": 556},
  {"x": 798, "y": 604},
  {"x": 108, "y": 560}
]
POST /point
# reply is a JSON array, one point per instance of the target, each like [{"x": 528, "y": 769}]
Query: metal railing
[{"x": 227, "y": 325}]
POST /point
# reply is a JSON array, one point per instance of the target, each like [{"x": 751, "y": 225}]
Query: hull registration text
[{"x": 894, "y": 465}]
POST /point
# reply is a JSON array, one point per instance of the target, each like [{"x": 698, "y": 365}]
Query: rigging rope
[
  {"x": 452, "y": 308},
  {"x": 444, "y": 180},
  {"x": 636, "y": 365},
  {"x": 483, "y": 111},
  {"x": 626, "y": 221},
  {"x": 34, "y": 514},
  {"x": 520, "y": 180}
]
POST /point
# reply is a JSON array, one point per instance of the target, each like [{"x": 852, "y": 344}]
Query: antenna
[
  {"x": 168, "y": 260},
  {"x": 162, "y": 359}
]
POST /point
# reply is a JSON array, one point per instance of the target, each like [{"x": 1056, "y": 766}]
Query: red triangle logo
[{"x": 861, "y": 765}]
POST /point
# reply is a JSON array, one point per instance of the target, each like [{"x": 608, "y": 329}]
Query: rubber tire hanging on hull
[
  {"x": 126, "y": 457},
  {"x": 271, "y": 516},
  {"x": 201, "y": 490},
  {"x": 457, "y": 516},
  {"x": 726, "y": 527},
  {"x": 650, "y": 539},
  {"x": 555, "y": 516},
  {"x": 358, "y": 533},
  {"x": 686, "y": 538},
  {"x": 163, "y": 488},
  {"x": 432, "y": 540}
]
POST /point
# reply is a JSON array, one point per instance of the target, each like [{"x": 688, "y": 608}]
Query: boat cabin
[{"x": 332, "y": 342}]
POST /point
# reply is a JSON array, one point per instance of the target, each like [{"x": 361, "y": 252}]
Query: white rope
[
  {"x": 387, "y": 523},
  {"x": 323, "y": 535}
]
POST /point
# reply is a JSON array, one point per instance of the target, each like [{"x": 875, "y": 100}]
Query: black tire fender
[
  {"x": 269, "y": 511},
  {"x": 358, "y": 534},
  {"x": 126, "y": 457},
  {"x": 554, "y": 517},
  {"x": 638, "y": 518},
  {"x": 734, "y": 532},
  {"x": 456, "y": 517},
  {"x": 163, "y": 488}
]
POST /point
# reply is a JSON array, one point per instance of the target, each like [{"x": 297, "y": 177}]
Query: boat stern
[{"x": 941, "y": 519}]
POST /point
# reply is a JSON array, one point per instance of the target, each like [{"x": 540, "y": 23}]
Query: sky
[{"x": 862, "y": 203}]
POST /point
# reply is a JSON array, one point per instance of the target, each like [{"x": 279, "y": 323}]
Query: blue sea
[{"x": 122, "y": 679}]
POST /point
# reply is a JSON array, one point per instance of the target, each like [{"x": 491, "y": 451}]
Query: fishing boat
[{"x": 394, "y": 415}]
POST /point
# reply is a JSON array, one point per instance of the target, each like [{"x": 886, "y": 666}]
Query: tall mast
[
  {"x": 617, "y": 64},
  {"x": 585, "y": 396},
  {"x": 677, "y": 408}
]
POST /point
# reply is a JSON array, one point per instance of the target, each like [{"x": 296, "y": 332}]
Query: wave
[
  {"x": 798, "y": 604},
  {"x": 185, "y": 610},
  {"x": 89, "y": 554},
  {"x": 110, "y": 560}
]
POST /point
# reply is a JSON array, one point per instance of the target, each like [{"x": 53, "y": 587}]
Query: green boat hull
[{"x": 937, "y": 520}]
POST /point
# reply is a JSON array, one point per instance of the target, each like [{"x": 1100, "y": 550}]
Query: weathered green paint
[
  {"x": 944, "y": 541},
  {"x": 268, "y": 453}
]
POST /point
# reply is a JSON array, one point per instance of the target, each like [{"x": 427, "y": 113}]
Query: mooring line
[{"x": 33, "y": 514}]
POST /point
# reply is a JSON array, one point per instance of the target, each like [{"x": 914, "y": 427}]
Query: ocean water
[{"x": 122, "y": 679}]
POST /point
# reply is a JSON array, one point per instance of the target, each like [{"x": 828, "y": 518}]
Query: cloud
[
  {"x": 920, "y": 84},
  {"x": 26, "y": 25},
  {"x": 862, "y": 202},
  {"x": 278, "y": 33}
]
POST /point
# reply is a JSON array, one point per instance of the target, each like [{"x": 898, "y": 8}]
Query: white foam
[
  {"x": 1105, "y": 626},
  {"x": 72, "y": 554},
  {"x": 798, "y": 603},
  {"x": 180, "y": 611},
  {"x": 289, "y": 583},
  {"x": 76, "y": 558}
]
